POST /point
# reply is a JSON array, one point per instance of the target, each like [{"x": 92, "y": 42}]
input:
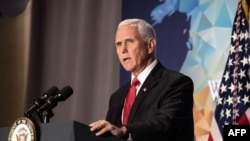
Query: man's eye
[
  {"x": 129, "y": 41},
  {"x": 118, "y": 44}
]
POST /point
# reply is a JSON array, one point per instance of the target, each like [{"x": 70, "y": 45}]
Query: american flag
[{"x": 233, "y": 103}]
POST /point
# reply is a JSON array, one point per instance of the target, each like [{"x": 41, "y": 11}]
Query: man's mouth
[{"x": 125, "y": 59}]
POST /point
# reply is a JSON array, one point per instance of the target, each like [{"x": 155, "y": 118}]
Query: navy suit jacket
[{"x": 163, "y": 108}]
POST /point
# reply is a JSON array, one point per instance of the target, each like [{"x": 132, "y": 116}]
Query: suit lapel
[
  {"x": 120, "y": 99},
  {"x": 124, "y": 93},
  {"x": 149, "y": 83}
]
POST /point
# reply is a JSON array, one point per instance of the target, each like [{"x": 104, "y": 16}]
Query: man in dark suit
[{"x": 163, "y": 107}]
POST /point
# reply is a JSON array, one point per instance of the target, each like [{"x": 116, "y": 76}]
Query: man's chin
[{"x": 128, "y": 68}]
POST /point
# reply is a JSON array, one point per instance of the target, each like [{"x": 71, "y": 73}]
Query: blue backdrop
[
  {"x": 193, "y": 37},
  {"x": 171, "y": 38}
]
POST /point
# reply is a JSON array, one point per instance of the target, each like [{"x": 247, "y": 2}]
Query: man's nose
[{"x": 124, "y": 48}]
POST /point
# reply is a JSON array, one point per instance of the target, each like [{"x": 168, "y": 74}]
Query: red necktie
[{"x": 130, "y": 98}]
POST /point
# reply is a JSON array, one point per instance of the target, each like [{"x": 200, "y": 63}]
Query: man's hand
[{"x": 103, "y": 126}]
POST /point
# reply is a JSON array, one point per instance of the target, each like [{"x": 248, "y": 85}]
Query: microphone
[
  {"x": 40, "y": 101},
  {"x": 52, "y": 101}
]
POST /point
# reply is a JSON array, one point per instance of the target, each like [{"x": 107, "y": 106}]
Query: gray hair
[{"x": 145, "y": 30}]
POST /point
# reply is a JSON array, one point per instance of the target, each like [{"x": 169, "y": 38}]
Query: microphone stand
[{"x": 45, "y": 117}]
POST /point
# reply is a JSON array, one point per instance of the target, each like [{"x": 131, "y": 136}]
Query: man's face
[{"x": 132, "y": 51}]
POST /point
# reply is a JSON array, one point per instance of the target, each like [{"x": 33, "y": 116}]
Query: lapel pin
[{"x": 144, "y": 89}]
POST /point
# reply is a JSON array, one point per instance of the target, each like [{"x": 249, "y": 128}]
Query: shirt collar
[{"x": 144, "y": 74}]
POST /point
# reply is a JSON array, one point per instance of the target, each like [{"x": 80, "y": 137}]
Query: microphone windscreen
[{"x": 64, "y": 93}]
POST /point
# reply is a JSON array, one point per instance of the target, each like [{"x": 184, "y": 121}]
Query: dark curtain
[{"x": 60, "y": 43}]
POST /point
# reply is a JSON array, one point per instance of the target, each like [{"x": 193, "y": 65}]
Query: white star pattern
[
  {"x": 229, "y": 100},
  {"x": 230, "y": 62},
  {"x": 228, "y": 113},
  {"x": 240, "y": 87},
  {"x": 247, "y": 86},
  {"x": 245, "y": 99},
  {"x": 240, "y": 48},
  {"x": 242, "y": 36},
  {"x": 246, "y": 35},
  {"x": 232, "y": 86},
  {"x": 244, "y": 61},
  {"x": 232, "y": 50},
  {"x": 219, "y": 100},
  {"x": 242, "y": 73},
  {"x": 226, "y": 76},
  {"x": 248, "y": 59},
  {"x": 238, "y": 100},
  {"x": 234, "y": 36},
  {"x": 222, "y": 113},
  {"x": 223, "y": 88}
]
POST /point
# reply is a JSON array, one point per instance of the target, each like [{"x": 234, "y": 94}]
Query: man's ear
[{"x": 151, "y": 45}]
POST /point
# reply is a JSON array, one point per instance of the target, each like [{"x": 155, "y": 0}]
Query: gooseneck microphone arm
[
  {"x": 40, "y": 101},
  {"x": 51, "y": 102}
]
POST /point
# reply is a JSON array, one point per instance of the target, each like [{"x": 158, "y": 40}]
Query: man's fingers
[
  {"x": 99, "y": 126},
  {"x": 102, "y": 131}
]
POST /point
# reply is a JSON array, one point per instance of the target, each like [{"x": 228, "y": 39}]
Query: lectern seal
[{"x": 23, "y": 129}]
